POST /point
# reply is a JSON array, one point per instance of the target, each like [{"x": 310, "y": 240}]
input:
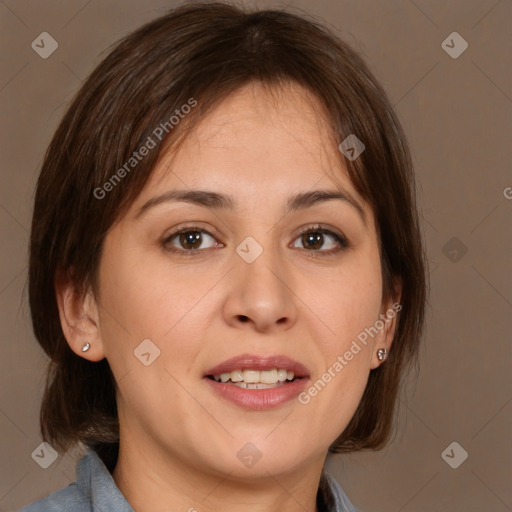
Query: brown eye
[
  {"x": 314, "y": 238},
  {"x": 189, "y": 240}
]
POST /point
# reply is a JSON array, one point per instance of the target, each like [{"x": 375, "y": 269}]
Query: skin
[{"x": 179, "y": 439}]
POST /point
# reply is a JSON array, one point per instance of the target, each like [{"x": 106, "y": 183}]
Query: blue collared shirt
[{"x": 96, "y": 491}]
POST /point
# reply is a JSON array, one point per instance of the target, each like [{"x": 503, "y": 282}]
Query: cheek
[
  {"x": 145, "y": 296},
  {"x": 351, "y": 302},
  {"x": 148, "y": 300}
]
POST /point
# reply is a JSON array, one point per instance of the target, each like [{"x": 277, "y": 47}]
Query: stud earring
[
  {"x": 86, "y": 347},
  {"x": 382, "y": 353}
]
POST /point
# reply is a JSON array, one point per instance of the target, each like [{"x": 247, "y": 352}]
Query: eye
[
  {"x": 189, "y": 239},
  {"x": 313, "y": 238}
]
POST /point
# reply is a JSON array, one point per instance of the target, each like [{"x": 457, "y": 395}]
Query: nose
[{"x": 260, "y": 295}]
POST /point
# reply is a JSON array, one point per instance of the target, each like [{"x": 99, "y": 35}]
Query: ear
[
  {"x": 78, "y": 312},
  {"x": 388, "y": 316}
]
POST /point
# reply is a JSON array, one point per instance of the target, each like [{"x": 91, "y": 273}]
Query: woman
[{"x": 226, "y": 267}]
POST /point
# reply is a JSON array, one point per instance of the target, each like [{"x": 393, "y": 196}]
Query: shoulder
[
  {"x": 94, "y": 491},
  {"x": 75, "y": 497},
  {"x": 63, "y": 500}
]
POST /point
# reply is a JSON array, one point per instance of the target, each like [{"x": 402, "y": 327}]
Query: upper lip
[{"x": 255, "y": 362}]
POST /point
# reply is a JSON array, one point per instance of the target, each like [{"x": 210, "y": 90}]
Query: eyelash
[{"x": 317, "y": 228}]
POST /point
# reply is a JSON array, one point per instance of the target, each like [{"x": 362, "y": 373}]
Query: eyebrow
[{"x": 210, "y": 199}]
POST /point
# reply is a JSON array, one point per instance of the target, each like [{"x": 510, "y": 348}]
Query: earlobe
[
  {"x": 383, "y": 343},
  {"x": 78, "y": 312},
  {"x": 389, "y": 313},
  {"x": 382, "y": 354}
]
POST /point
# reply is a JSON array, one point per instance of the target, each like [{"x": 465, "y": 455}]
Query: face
[{"x": 250, "y": 282}]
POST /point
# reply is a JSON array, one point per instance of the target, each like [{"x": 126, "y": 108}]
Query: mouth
[
  {"x": 256, "y": 379},
  {"x": 258, "y": 383}
]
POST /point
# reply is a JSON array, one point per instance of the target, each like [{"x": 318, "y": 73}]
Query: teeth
[
  {"x": 237, "y": 376},
  {"x": 282, "y": 375},
  {"x": 268, "y": 377},
  {"x": 257, "y": 385},
  {"x": 255, "y": 379},
  {"x": 251, "y": 376}
]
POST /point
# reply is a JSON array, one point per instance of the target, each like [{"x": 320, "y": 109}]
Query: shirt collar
[{"x": 95, "y": 481}]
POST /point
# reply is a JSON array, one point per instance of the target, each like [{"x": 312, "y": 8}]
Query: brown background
[{"x": 457, "y": 113}]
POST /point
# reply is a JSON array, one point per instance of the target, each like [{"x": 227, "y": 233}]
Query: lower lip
[{"x": 258, "y": 399}]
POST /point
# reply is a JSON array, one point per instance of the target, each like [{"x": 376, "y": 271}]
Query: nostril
[{"x": 243, "y": 318}]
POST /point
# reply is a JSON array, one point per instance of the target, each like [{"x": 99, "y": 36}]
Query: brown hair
[{"x": 206, "y": 52}]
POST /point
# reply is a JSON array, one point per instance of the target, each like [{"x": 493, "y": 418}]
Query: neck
[{"x": 152, "y": 480}]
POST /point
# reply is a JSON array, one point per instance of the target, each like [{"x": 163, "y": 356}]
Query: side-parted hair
[{"x": 198, "y": 54}]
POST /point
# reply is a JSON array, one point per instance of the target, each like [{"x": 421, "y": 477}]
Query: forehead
[
  {"x": 259, "y": 140},
  {"x": 287, "y": 107}
]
